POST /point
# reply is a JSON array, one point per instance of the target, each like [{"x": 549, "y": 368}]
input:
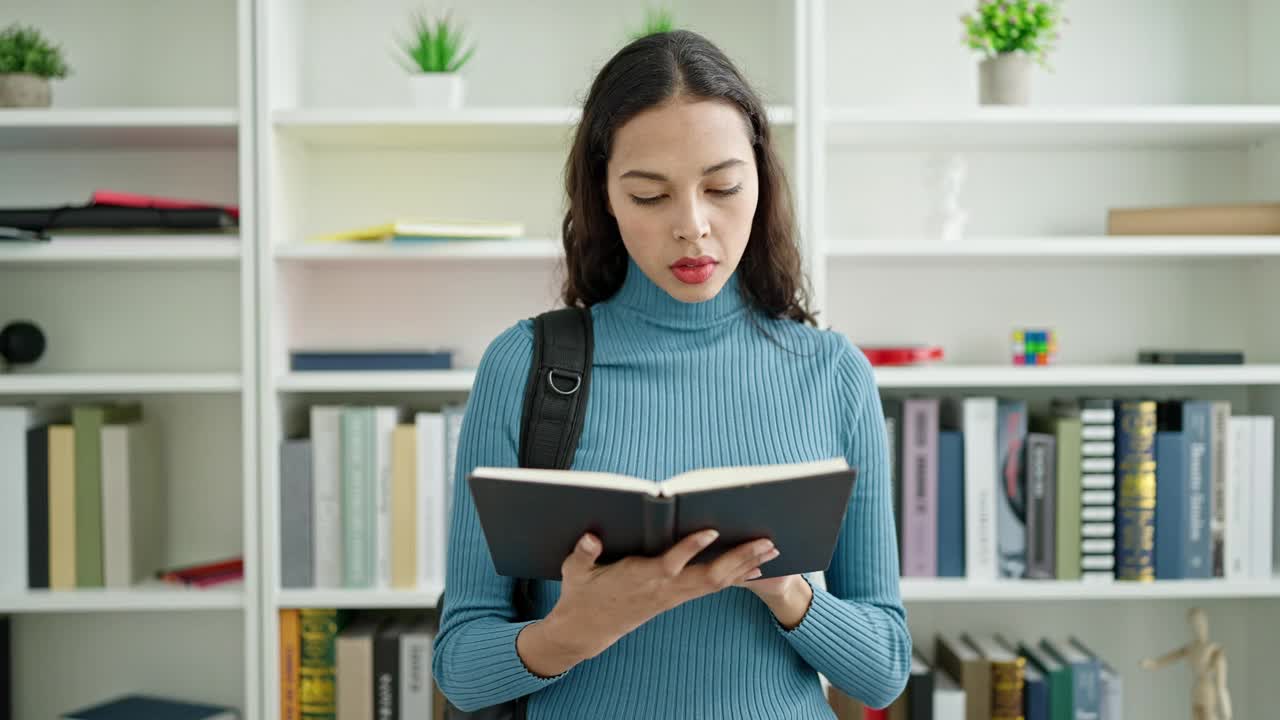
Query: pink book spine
[
  {"x": 920, "y": 487},
  {"x": 124, "y": 199}
]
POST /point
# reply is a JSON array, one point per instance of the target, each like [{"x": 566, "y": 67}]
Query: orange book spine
[{"x": 290, "y": 654}]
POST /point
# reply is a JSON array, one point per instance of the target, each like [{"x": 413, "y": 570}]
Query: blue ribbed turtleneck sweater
[{"x": 677, "y": 386}]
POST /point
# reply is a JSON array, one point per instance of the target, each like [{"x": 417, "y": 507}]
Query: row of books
[
  {"x": 81, "y": 502},
  {"x": 117, "y": 211},
  {"x": 1090, "y": 488},
  {"x": 987, "y": 676},
  {"x": 352, "y": 665},
  {"x": 365, "y": 497}
]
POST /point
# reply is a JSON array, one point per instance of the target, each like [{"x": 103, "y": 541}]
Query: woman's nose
[{"x": 691, "y": 221}]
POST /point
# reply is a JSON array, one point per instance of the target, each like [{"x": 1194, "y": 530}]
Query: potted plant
[
  {"x": 435, "y": 55},
  {"x": 1011, "y": 35},
  {"x": 27, "y": 62},
  {"x": 656, "y": 20}
]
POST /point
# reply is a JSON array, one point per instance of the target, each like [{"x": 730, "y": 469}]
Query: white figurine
[
  {"x": 949, "y": 174},
  {"x": 1209, "y": 698}
]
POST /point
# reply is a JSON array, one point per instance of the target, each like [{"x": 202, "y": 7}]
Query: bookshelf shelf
[
  {"x": 142, "y": 599},
  {"x": 1049, "y": 126},
  {"x": 399, "y": 127},
  {"x": 944, "y": 376},
  {"x": 119, "y": 383},
  {"x": 384, "y": 381},
  {"x": 338, "y": 598},
  {"x": 95, "y": 249},
  {"x": 516, "y": 249},
  {"x": 118, "y": 128},
  {"x": 960, "y": 590},
  {"x": 937, "y": 376},
  {"x": 907, "y": 248}
]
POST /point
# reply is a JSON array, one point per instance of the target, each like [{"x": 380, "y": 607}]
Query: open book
[{"x": 532, "y": 518}]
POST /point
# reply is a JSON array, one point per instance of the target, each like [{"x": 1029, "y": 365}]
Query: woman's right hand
[{"x": 601, "y": 603}]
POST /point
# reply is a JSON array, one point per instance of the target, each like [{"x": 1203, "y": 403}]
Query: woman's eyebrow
[{"x": 650, "y": 175}]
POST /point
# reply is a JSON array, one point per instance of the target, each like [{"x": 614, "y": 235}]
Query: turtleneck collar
[{"x": 641, "y": 295}]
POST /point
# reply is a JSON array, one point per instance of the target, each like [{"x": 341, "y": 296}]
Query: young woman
[{"x": 679, "y": 239}]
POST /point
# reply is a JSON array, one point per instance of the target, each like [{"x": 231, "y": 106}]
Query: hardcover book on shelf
[
  {"x": 532, "y": 518},
  {"x": 369, "y": 360},
  {"x": 425, "y": 230}
]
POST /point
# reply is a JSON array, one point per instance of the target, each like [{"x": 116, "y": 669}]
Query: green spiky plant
[
  {"x": 25, "y": 50},
  {"x": 997, "y": 27},
  {"x": 437, "y": 45},
  {"x": 656, "y": 20}
]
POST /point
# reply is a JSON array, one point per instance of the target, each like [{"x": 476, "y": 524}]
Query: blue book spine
[
  {"x": 1196, "y": 417},
  {"x": 337, "y": 361},
  {"x": 1173, "y": 506},
  {"x": 950, "y": 503},
  {"x": 1035, "y": 695}
]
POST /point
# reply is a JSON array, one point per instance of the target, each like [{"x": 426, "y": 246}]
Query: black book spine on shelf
[
  {"x": 38, "y": 507},
  {"x": 6, "y": 670},
  {"x": 1189, "y": 357},
  {"x": 386, "y": 671}
]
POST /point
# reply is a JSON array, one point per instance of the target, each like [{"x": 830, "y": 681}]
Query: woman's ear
[{"x": 608, "y": 204}]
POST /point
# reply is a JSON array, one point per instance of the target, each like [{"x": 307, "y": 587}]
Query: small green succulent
[{"x": 25, "y": 50}]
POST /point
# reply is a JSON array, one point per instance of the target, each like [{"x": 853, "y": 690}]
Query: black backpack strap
[
  {"x": 555, "y": 398},
  {"x": 555, "y": 406}
]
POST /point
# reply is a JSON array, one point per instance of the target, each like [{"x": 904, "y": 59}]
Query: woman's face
[{"x": 682, "y": 185}]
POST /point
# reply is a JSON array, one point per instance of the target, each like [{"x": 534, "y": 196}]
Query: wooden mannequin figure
[{"x": 1209, "y": 698}]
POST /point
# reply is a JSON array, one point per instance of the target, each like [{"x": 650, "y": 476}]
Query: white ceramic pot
[
  {"x": 24, "y": 90},
  {"x": 443, "y": 91},
  {"x": 1005, "y": 80}
]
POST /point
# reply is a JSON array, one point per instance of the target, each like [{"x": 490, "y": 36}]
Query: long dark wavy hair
[{"x": 646, "y": 73}]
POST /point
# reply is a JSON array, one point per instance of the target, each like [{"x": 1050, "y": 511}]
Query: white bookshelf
[
  {"x": 257, "y": 109},
  {"x": 105, "y": 250},
  {"x": 142, "y": 599},
  {"x": 117, "y": 128},
  {"x": 160, "y": 101}
]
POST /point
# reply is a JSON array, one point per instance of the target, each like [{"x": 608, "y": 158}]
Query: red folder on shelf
[{"x": 123, "y": 199}]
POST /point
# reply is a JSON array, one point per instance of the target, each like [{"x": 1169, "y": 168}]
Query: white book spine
[
  {"x": 1262, "y": 499},
  {"x": 1239, "y": 474},
  {"x": 117, "y": 565},
  {"x": 14, "y": 422},
  {"x": 432, "y": 460},
  {"x": 979, "y": 427},
  {"x": 384, "y": 427},
  {"x": 415, "y": 673},
  {"x": 326, "y": 461}
]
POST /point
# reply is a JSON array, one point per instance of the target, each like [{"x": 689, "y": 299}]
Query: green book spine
[
  {"x": 1067, "y": 432},
  {"x": 318, "y": 664},
  {"x": 357, "y": 497},
  {"x": 86, "y": 423}
]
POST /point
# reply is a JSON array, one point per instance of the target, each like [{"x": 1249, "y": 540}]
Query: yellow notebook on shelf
[{"x": 427, "y": 230}]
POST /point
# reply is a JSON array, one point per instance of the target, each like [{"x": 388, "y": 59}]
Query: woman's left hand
[{"x": 787, "y": 596}]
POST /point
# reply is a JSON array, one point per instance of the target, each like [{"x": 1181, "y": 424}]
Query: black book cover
[
  {"x": 920, "y": 689},
  {"x": 38, "y": 507},
  {"x": 386, "y": 671},
  {"x": 532, "y": 524},
  {"x": 6, "y": 671}
]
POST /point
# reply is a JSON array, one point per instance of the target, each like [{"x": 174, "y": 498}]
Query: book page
[
  {"x": 722, "y": 477},
  {"x": 579, "y": 478}
]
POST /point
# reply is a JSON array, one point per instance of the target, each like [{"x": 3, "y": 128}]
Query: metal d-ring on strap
[{"x": 551, "y": 380}]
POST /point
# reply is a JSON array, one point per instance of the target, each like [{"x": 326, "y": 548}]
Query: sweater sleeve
[
  {"x": 855, "y": 631},
  {"x": 475, "y": 662}
]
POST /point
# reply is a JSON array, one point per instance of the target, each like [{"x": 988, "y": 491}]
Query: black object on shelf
[
  {"x": 21, "y": 342},
  {"x": 113, "y": 218},
  {"x": 1190, "y": 357}
]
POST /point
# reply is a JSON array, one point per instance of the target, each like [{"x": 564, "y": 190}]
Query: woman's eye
[
  {"x": 646, "y": 200},
  {"x": 727, "y": 191}
]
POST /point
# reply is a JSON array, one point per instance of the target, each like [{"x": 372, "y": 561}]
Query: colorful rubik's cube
[{"x": 1034, "y": 346}]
